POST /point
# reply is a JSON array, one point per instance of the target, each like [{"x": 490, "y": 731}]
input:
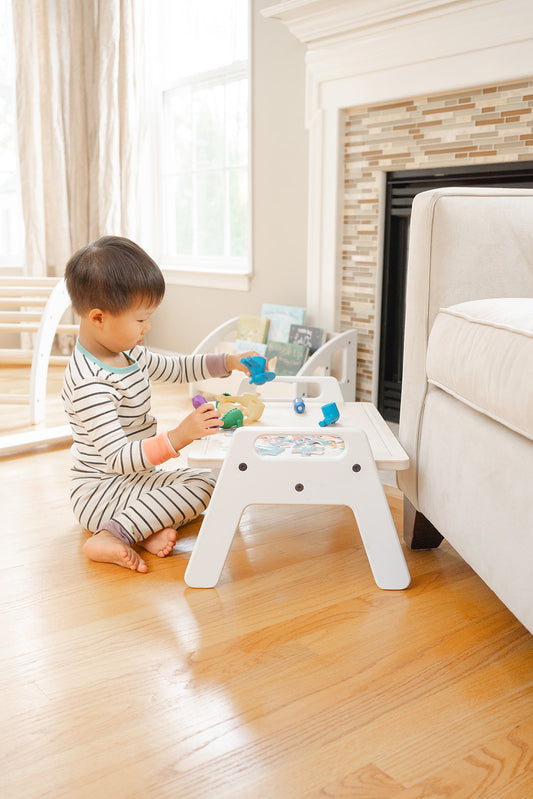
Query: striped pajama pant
[{"x": 141, "y": 503}]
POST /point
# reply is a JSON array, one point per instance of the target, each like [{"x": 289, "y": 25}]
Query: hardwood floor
[{"x": 296, "y": 678}]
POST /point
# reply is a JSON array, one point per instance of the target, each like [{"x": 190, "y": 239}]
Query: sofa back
[{"x": 464, "y": 244}]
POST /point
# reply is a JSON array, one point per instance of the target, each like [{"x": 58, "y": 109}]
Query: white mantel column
[{"x": 324, "y": 218}]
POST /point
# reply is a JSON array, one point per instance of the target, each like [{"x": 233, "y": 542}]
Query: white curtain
[{"x": 80, "y": 123}]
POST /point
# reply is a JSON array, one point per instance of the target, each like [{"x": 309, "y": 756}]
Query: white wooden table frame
[{"x": 349, "y": 477}]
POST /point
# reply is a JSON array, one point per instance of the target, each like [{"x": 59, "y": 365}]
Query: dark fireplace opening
[{"x": 401, "y": 188}]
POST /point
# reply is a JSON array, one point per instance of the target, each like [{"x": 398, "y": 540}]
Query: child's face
[{"x": 120, "y": 332}]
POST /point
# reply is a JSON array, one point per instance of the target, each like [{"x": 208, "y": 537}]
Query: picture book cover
[
  {"x": 311, "y": 337},
  {"x": 285, "y": 358},
  {"x": 242, "y": 345},
  {"x": 281, "y": 318},
  {"x": 253, "y": 328}
]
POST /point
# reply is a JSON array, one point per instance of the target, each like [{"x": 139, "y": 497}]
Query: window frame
[{"x": 231, "y": 272}]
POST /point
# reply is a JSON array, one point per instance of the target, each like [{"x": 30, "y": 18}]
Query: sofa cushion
[{"x": 481, "y": 352}]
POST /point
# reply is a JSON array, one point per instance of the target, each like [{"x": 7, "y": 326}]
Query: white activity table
[{"x": 344, "y": 473}]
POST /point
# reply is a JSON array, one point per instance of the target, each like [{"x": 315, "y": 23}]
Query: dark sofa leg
[{"x": 418, "y": 532}]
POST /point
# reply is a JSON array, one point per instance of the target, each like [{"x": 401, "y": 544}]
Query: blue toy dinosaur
[{"x": 257, "y": 366}]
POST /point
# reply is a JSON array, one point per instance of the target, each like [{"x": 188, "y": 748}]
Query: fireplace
[
  {"x": 425, "y": 85},
  {"x": 392, "y": 150},
  {"x": 401, "y": 187}
]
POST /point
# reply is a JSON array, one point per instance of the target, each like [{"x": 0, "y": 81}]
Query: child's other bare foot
[
  {"x": 104, "y": 547},
  {"x": 160, "y": 543}
]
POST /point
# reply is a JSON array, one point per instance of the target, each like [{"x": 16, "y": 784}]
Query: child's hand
[
  {"x": 233, "y": 361},
  {"x": 203, "y": 421}
]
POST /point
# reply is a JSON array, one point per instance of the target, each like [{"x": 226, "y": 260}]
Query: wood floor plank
[
  {"x": 502, "y": 766},
  {"x": 295, "y": 678},
  {"x": 366, "y": 783}
]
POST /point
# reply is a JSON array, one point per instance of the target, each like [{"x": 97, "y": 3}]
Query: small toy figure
[
  {"x": 232, "y": 418},
  {"x": 298, "y": 405},
  {"x": 249, "y": 405},
  {"x": 331, "y": 414},
  {"x": 257, "y": 366},
  {"x": 198, "y": 400}
]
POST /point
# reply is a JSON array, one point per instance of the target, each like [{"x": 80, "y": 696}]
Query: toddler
[{"x": 117, "y": 491}]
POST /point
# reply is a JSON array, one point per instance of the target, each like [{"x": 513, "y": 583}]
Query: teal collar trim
[{"x": 119, "y": 369}]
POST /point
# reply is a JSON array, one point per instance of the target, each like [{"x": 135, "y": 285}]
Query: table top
[{"x": 209, "y": 452}]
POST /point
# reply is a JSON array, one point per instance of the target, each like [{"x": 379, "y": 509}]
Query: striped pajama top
[{"x": 109, "y": 407}]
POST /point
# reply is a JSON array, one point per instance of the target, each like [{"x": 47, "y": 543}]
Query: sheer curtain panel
[{"x": 79, "y": 68}]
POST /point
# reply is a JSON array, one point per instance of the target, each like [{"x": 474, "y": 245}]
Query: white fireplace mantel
[{"x": 368, "y": 51}]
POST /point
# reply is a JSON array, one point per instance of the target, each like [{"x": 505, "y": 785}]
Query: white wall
[{"x": 279, "y": 198}]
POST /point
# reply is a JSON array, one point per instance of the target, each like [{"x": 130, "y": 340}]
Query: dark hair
[{"x": 112, "y": 274}]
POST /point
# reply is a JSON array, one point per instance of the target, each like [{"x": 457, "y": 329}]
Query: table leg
[
  {"x": 220, "y": 523},
  {"x": 247, "y": 478},
  {"x": 376, "y": 526}
]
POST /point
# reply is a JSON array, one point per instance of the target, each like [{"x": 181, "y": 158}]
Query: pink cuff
[
  {"x": 159, "y": 449},
  {"x": 216, "y": 364}
]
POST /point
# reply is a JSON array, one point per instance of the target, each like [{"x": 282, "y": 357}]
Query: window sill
[{"x": 233, "y": 281}]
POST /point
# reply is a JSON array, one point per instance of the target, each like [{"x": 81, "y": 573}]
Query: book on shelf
[
  {"x": 285, "y": 358},
  {"x": 281, "y": 318},
  {"x": 242, "y": 345},
  {"x": 311, "y": 337},
  {"x": 253, "y": 328}
]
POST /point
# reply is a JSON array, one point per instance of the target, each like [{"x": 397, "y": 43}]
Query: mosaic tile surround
[{"x": 490, "y": 124}]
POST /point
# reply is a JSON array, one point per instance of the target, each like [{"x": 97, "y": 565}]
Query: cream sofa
[{"x": 466, "y": 416}]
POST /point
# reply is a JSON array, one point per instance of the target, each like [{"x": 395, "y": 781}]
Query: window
[
  {"x": 11, "y": 224},
  {"x": 204, "y": 177}
]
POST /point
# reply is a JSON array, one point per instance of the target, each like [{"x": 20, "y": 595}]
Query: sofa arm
[{"x": 464, "y": 244}]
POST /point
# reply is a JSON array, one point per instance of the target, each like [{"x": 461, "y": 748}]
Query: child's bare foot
[
  {"x": 104, "y": 547},
  {"x": 160, "y": 543}
]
